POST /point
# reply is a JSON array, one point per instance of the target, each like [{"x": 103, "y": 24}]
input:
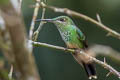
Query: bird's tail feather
[{"x": 90, "y": 70}]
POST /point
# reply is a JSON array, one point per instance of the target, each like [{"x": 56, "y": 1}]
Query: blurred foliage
[
  {"x": 57, "y": 65},
  {"x": 3, "y": 2},
  {"x": 3, "y": 70}
]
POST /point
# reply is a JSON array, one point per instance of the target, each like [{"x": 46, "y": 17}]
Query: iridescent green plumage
[{"x": 74, "y": 38}]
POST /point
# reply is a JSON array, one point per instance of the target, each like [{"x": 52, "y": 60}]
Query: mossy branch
[
  {"x": 81, "y": 52},
  {"x": 67, "y": 11}
]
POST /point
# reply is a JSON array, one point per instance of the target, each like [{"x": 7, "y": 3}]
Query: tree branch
[
  {"x": 36, "y": 9},
  {"x": 36, "y": 33},
  {"x": 105, "y": 51},
  {"x": 82, "y": 16},
  {"x": 103, "y": 64}
]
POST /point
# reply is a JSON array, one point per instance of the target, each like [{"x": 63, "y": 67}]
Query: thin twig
[
  {"x": 36, "y": 9},
  {"x": 98, "y": 18},
  {"x": 19, "y": 5},
  {"x": 41, "y": 23},
  {"x": 43, "y": 14},
  {"x": 105, "y": 51},
  {"x": 11, "y": 72},
  {"x": 108, "y": 67},
  {"x": 36, "y": 33},
  {"x": 82, "y": 16},
  {"x": 108, "y": 74}
]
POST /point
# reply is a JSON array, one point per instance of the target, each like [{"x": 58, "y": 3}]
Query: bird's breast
[{"x": 66, "y": 36}]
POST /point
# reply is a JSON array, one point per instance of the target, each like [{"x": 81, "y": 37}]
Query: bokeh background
[{"x": 57, "y": 65}]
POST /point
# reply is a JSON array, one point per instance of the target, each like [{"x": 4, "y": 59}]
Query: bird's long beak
[{"x": 46, "y": 20}]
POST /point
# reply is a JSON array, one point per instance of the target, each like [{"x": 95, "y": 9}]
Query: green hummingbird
[{"x": 74, "y": 38}]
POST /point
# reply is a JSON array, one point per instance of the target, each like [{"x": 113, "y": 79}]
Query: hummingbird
[{"x": 74, "y": 39}]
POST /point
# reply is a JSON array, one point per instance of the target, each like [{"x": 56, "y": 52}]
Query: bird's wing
[{"x": 81, "y": 37}]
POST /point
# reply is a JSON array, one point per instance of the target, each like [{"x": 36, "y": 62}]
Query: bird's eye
[{"x": 62, "y": 19}]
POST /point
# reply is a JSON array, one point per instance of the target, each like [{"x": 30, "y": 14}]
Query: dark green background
[{"x": 57, "y": 65}]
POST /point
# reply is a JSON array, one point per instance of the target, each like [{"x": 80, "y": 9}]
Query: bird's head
[{"x": 60, "y": 21}]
